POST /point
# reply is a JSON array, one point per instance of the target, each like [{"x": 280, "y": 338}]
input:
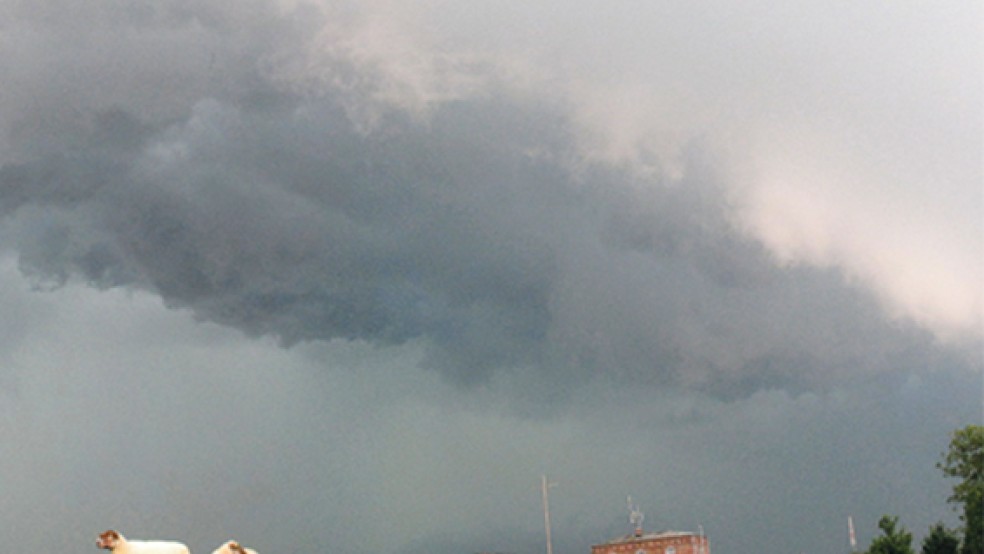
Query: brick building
[{"x": 665, "y": 542}]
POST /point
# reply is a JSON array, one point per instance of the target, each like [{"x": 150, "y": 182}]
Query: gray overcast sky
[{"x": 350, "y": 276}]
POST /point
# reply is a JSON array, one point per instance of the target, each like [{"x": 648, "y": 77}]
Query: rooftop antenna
[
  {"x": 545, "y": 486},
  {"x": 635, "y": 517},
  {"x": 850, "y": 534}
]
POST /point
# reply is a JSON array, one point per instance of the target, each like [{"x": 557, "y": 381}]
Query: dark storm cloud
[
  {"x": 182, "y": 156},
  {"x": 402, "y": 251},
  {"x": 478, "y": 231}
]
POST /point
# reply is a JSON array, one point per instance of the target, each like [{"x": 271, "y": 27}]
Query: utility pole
[{"x": 544, "y": 485}]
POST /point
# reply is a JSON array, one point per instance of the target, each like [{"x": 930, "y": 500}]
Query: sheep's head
[
  {"x": 231, "y": 547},
  {"x": 108, "y": 540}
]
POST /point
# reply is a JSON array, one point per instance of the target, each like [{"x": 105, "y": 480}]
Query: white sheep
[
  {"x": 233, "y": 547},
  {"x": 117, "y": 544}
]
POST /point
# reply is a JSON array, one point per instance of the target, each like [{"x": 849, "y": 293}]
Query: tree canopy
[
  {"x": 940, "y": 541},
  {"x": 894, "y": 540},
  {"x": 965, "y": 460}
]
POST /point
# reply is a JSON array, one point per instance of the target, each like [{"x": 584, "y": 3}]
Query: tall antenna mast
[
  {"x": 850, "y": 534},
  {"x": 635, "y": 517},
  {"x": 544, "y": 485}
]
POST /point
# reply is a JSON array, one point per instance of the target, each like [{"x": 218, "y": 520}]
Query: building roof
[{"x": 649, "y": 537}]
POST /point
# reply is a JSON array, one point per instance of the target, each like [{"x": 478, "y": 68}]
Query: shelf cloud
[{"x": 718, "y": 239}]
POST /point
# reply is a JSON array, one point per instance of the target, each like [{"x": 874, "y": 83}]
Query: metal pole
[
  {"x": 850, "y": 534},
  {"x": 546, "y": 509}
]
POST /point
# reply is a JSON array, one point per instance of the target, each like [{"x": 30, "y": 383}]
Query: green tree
[
  {"x": 940, "y": 541},
  {"x": 965, "y": 460},
  {"x": 894, "y": 541}
]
